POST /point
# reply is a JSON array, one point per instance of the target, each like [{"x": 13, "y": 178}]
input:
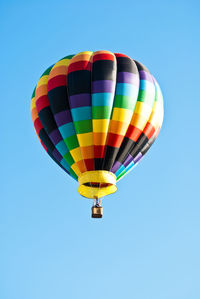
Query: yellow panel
[
  {"x": 75, "y": 168},
  {"x": 100, "y": 125},
  {"x": 121, "y": 114},
  {"x": 142, "y": 109},
  {"x": 33, "y": 103},
  {"x": 156, "y": 117},
  {"x": 84, "y": 52},
  {"x": 85, "y": 139},
  {"x": 139, "y": 121},
  {"x": 154, "y": 106},
  {"x": 62, "y": 62},
  {"x": 76, "y": 154},
  {"x": 43, "y": 80}
]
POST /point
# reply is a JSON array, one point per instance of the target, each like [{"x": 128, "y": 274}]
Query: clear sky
[{"x": 147, "y": 246}]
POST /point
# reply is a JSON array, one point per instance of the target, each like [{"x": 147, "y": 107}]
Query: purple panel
[
  {"x": 116, "y": 166},
  {"x": 137, "y": 158},
  {"x": 57, "y": 155},
  {"x": 125, "y": 77},
  {"x": 128, "y": 160},
  {"x": 63, "y": 118},
  {"x": 145, "y": 76},
  {"x": 55, "y": 136},
  {"x": 103, "y": 86},
  {"x": 80, "y": 100}
]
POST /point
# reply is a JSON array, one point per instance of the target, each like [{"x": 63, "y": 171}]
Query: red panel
[
  {"x": 120, "y": 55},
  {"x": 79, "y": 65},
  {"x": 60, "y": 80},
  {"x": 38, "y": 125},
  {"x": 104, "y": 56},
  {"x": 114, "y": 140},
  {"x": 149, "y": 130},
  {"x": 133, "y": 133},
  {"x": 99, "y": 151},
  {"x": 42, "y": 102},
  {"x": 89, "y": 163},
  {"x": 44, "y": 146}
]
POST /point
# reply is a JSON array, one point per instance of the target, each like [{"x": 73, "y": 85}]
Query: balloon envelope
[{"x": 97, "y": 114}]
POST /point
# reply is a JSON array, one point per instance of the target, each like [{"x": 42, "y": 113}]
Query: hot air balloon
[{"x": 97, "y": 114}]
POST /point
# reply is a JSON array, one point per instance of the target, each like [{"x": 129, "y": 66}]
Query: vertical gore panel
[
  {"x": 59, "y": 103},
  {"x": 147, "y": 137},
  {"x": 141, "y": 114},
  {"x": 45, "y": 140},
  {"x": 47, "y": 119},
  {"x": 103, "y": 89},
  {"x": 126, "y": 93},
  {"x": 79, "y": 88}
]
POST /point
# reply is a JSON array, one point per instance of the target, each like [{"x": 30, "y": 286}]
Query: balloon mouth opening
[{"x": 97, "y": 184}]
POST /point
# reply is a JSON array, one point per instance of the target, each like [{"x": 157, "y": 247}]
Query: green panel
[
  {"x": 101, "y": 112},
  {"x": 146, "y": 97},
  {"x": 71, "y": 142},
  {"x": 33, "y": 94},
  {"x": 68, "y": 57},
  {"x": 47, "y": 71},
  {"x": 68, "y": 158},
  {"x": 73, "y": 174},
  {"x": 124, "y": 102},
  {"x": 83, "y": 126},
  {"x": 141, "y": 96}
]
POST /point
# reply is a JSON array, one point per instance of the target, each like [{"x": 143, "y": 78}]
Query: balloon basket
[{"x": 97, "y": 211}]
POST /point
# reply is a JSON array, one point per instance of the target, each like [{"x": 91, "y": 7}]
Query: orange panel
[
  {"x": 99, "y": 138},
  {"x": 81, "y": 166},
  {"x": 87, "y": 152},
  {"x": 118, "y": 127}
]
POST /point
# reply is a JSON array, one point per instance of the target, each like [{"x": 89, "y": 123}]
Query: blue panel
[
  {"x": 144, "y": 84},
  {"x": 119, "y": 170},
  {"x": 126, "y": 89},
  {"x": 62, "y": 148},
  {"x": 64, "y": 164},
  {"x": 102, "y": 99},
  {"x": 67, "y": 130},
  {"x": 81, "y": 113}
]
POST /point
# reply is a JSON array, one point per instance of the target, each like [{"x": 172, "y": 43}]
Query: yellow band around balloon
[{"x": 96, "y": 184}]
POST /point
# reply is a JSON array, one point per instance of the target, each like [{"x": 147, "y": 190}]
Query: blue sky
[{"x": 148, "y": 243}]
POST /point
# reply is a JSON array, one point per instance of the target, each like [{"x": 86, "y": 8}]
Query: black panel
[
  {"x": 45, "y": 139},
  {"x": 125, "y": 148},
  {"x": 79, "y": 82},
  {"x": 98, "y": 163},
  {"x": 139, "y": 145},
  {"x": 110, "y": 156},
  {"x": 103, "y": 70},
  {"x": 140, "y": 66},
  {"x": 58, "y": 99},
  {"x": 148, "y": 145},
  {"x": 125, "y": 64},
  {"x": 47, "y": 120}
]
